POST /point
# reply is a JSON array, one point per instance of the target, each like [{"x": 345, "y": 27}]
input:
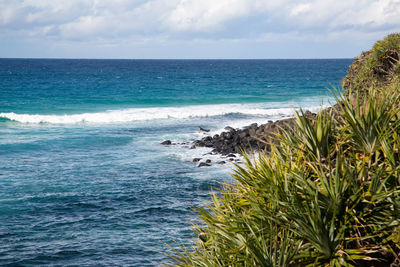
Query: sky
[{"x": 191, "y": 29}]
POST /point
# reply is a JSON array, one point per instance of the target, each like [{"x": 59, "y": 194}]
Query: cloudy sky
[{"x": 194, "y": 28}]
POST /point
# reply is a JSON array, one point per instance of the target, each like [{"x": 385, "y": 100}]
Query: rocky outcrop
[
  {"x": 251, "y": 138},
  {"x": 166, "y": 143}
]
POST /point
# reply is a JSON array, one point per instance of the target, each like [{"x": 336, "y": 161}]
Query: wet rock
[
  {"x": 204, "y": 130},
  {"x": 221, "y": 162},
  {"x": 196, "y": 159},
  {"x": 231, "y": 156},
  {"x": 208, "y": 161},
  {"x": 209, "y": 145},
  {"x": 203, "y": 164},
  {"x": 243, "y": 134},
  {"x": 251, "y": 126},
  {"x": 207, "y": 139},
  {"x": 166, "y": 142},
  {"x": 199, "y": 143},
  {"x": 251, "y": 138}
]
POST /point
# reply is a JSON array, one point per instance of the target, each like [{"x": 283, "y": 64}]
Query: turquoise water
[{"x": 83, "y": 178}]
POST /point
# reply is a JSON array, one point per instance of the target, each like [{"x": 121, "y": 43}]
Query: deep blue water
[{"x": 83, "y": 178}]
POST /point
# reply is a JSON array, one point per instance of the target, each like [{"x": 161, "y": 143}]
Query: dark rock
[
  {"x": 196, "y": 159},
  {"x": 231, "y": 156},
  {"x": 199, "y": 143},
  {"x": 244, "y": 134},
  {"x": 259, "y": 131},
  {"x": 202, "y": 164},
  {"x": 249, "y": 139},
  {"x": 251, "y": 126},
  {"x": 166, "y": 142},
  {"x": 252, "y": 132},
  {"x": 208, "y": 161},
  {"x": 207, "y": 139},
  {"x": 204, "y": 130},
  {"x": 221, "y": 162}
]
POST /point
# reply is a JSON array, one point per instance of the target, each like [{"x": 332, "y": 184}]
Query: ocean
[{"x": 84, "y": 180}]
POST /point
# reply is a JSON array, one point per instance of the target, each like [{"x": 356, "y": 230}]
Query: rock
[
  {"x": 199, "y": 143},
  {"x": 251, "y": 126},
  {"x": 166, "y": 142},
  {"x": 221, "y": 162},
  {"x": 207, "y": 139},
  {"x": 231, "y": 156},
  {"x": 252, "y": 132},
  {"x": 247, "y": 139},
  {"x": 202, "y": 164},
  {"x": 208, "y": 161},
  {"x": 259, "y": 131},
  {"x": 196, "y": 159},
  {"x": 243, "y": 134},
  {"x": 204, "y": 130}
]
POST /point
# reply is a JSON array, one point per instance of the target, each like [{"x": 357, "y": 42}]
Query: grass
[{"x": 327, "y": 195}]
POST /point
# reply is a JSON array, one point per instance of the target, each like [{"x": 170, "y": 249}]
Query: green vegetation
[
  {"x": 327, "y": 195},
  {"x": 377, "y": 67}
]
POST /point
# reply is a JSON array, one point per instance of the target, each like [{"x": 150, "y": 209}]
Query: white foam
[{"x": 157, "y": 113}]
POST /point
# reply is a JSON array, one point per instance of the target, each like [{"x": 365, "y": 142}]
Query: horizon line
[{"x": 71, "y": 58}]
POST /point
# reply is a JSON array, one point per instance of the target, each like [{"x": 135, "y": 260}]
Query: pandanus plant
[{"x": 327, "y": 195}]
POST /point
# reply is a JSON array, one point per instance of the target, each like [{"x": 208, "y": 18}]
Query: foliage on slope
[{"x": 378, "y": 67}]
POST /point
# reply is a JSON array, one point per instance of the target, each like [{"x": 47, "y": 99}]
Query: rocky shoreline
[{"x": 249, "y": 139}]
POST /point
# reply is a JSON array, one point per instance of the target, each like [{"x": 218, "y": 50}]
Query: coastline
[{"x": 246, "y": 140}]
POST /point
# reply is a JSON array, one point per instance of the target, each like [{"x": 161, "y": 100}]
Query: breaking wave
[{"x": 156, "y": 113}]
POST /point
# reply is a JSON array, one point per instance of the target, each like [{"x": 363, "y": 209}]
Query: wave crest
[{"x": 143, "y": 114}]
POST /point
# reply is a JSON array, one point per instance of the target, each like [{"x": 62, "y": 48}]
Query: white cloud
[
  {"x": 137, "y": 21},
  {"x": 78, "y": 18},
  {"x": 299, "y": 9},
  {"x": 206, "y": 14}
]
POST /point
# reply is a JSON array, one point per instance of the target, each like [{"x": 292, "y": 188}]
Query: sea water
[{"x": 84, "y": 180}]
